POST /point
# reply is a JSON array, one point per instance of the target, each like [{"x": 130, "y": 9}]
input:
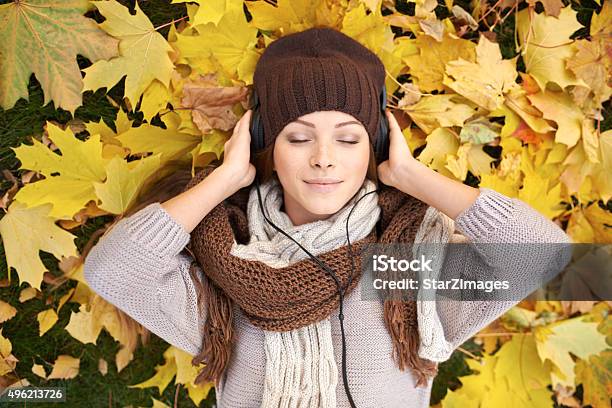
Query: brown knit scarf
[{"x": 281, "y": 299}]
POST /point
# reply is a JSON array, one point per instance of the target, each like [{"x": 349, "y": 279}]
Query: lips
[
  {"x": 323, "y": 187},
  {"x": 323, "y": 181}
]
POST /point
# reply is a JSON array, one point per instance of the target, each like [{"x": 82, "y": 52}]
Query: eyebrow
[{"x": 350, "y": 122}]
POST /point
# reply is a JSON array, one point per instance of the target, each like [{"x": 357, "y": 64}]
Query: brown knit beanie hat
[{"x": 314, "y": 70}]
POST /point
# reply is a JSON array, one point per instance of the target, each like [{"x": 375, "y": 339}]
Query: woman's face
[{"x": 320, "y": 147}]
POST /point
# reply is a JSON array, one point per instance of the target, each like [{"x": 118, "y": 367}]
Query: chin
[{"x": 323, "y": 206}]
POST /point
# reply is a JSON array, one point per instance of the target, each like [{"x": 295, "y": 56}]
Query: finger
[
  {"x": 395, "y": 131},
  {"x": 245, "y": 120},
  {"x": 392, "y": 121},
  {"x": 238, "y": 127},
  {"x": 247, "y": 116},
  {"x": 394, "y": 128}
]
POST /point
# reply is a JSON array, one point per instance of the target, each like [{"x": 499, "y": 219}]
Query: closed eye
[{"x": 341, "y": 141}]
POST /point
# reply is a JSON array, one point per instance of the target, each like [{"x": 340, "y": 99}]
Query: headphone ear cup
[
  {"x": 256, "y": 126},
  {"x": 381, "y": 149},
  {"x": 256, "y": 138},
  {"x": 382, "y": 141}
]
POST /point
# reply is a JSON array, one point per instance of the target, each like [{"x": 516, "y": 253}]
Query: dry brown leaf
[{"x": 211, "y": 103}]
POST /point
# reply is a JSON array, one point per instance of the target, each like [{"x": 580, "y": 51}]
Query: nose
[{"x": 321, "y": 157}]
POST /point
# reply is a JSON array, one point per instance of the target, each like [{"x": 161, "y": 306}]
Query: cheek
[
  {"x": 358, "y": 160},
  {"x": 287, "y": 161}
]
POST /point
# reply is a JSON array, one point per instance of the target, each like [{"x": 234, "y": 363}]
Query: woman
[{"x": 241, "y": 300}]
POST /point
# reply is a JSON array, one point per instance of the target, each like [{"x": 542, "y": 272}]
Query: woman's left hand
[{"x": 391, "y": 171}]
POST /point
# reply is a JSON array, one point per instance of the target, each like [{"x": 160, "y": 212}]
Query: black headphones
[{"x": 381, "y": 151}]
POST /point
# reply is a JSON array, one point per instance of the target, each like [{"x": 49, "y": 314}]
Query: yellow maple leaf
[
  {"x": 559, "y": 107},
  {"x": 577, "y": 169},
  {"x": 428, "y": 67},
  {"x": 231, "y": 42},
  {"x": 592, "y": 64},
  {"x": 517, "y": 101},
  {"x": 518, "y": 362},
  {"x": 80, "y": 164},
  {"x": 504, "y": 185},
  {"x": 124, "y": 182},
  {"x": 154, "y": 99},
  {"x": 211, "y": 11},
  {"x": 557, "y": 340},
  {"x": 542, "y": 193},
  {"x": 596, "y": 378},
  {"x": 513, "y": 377},
  {"x": 602, "y": 176},
  {"x": 197, "y": 393},
  {"x": 26, "y": 231},
  {"x": 369, "y": 30},
  {"x": 440, "y": 143},
  {"x": 214, "y": 142},
  {"x": 143, "y": 53},
  {"x": 579, "y": 228},
  {"x": 486, "y": 81},
  {"x": 39, "y": 370},
  {"x": 601, "y": 24},
  {"x": 163, "y": 373},
  {"x": 289, "y": 16},
  {"x": 46, "y": 320},
  {"x": 479, "y": 162},
  {"x": 65, "y": 367},
  {"x": 170, "y": 143},
  {"x": 8, "y": 362},
  {"x": 601, "y": 223},
  {"x": 545, "y": 45},
  {"x": 82, "y": 327},
  {"x": 431, "y": 112},
  {"x": 25, "y": 295},
  {"x": 7, "y": 311},
  {"x": 159, "y": 404},
  {"x": 188, "y": 44},
  {"x": 106, "y": 315},
  {"x": 393, "y": 61},
  {"x": 186, "y": 374},
  {"x": 111, "y": 146}
]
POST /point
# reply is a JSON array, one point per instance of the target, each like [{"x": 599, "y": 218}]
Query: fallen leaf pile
[{"x": 524, "y": 119}]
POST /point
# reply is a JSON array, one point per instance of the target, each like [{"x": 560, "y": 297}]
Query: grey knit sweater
[{"x": 140, "y": 267}]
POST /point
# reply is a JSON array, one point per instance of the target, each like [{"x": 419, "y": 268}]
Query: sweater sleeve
[
  {"x": 140, "y": 268},
  {"x": 496, "y": 218}
]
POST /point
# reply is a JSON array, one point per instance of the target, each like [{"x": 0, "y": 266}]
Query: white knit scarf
[{"x": 300, "y": 367}]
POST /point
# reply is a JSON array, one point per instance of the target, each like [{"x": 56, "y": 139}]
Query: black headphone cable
[{"x": 332, "y": 274}]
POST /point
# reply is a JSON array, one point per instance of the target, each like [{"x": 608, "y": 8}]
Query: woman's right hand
[{"x": 237, "y": 153}]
